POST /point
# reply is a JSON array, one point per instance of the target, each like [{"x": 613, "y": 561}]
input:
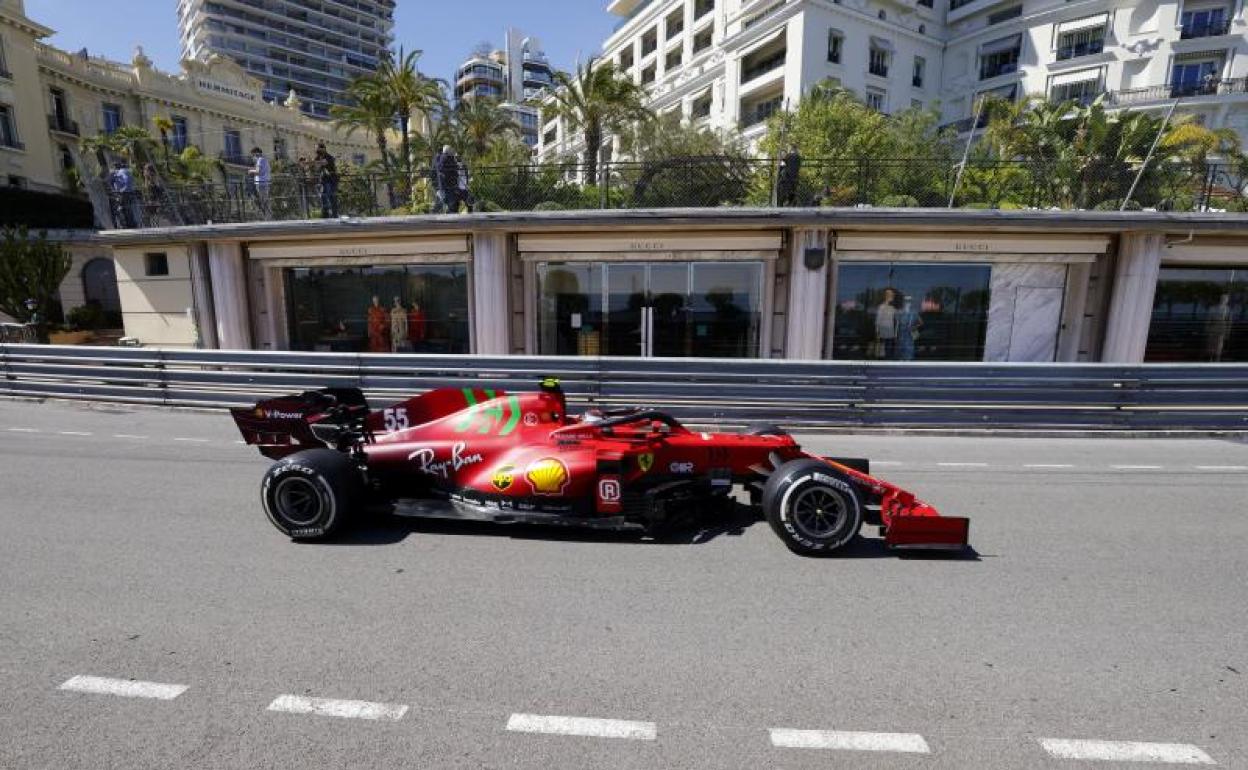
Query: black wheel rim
[
  {"x": 298, "y": 501},
  {"x": 818, "y": 512}
]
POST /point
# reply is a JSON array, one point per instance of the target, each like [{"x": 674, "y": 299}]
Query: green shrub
[{"x": 899, "y": 201}]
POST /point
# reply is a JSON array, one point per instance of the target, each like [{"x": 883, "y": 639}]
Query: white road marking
[
  {"x": 886, "y": 462},
  {"x": 127, "y": 435},
  {"x": 1048, "y": 465},
  {"x": 329, "y": 707},
  {"x": 1126, "y": 751},
  {"x": 194, "y": 440},
  {"x": 1222, "y": 467},
  {"x": 126, "y": 688},
  {"x": 23, "y": 430},
  {"x": 74, "y": 433},
  {"x": 963, "y": 465},
  {"x": 584, "y": 726},
  {"x": 1136, "y": 467},
  {"x": 911, "y": 743}
]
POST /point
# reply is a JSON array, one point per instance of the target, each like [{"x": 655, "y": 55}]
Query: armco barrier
[{"x": 809, "y": 394}]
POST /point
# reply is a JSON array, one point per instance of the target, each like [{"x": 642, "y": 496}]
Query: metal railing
[
  {"x": 1205, "y": 29},
  {"x": 702, "y": 181},
  {"x": 819, "y": 394},
  {"x": 1210, "y": 87}
]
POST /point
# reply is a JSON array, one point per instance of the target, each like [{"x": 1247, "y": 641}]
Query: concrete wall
[{"x": 155, "y": 308}]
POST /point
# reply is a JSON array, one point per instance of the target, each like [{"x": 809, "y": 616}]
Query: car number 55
[{"x": 396, "y": 419}]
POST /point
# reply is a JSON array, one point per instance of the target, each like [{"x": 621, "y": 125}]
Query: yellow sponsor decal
[
  {"x": 503, "y": 478},
  {"x": 547, "y": 476},
  {"x": 645, "y": 461}
]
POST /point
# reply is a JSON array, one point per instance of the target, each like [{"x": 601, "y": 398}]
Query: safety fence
[
  {"x": 817, "y": 394},
  {"x": 703, "y": 181}
]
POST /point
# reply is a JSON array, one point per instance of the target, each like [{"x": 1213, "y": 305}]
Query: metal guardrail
[{"x": 797, "y": 394}]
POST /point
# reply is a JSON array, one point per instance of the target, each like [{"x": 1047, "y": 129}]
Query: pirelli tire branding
[
  {"x": 313, "y": 522},
  {"x": 849, "y": 496}
]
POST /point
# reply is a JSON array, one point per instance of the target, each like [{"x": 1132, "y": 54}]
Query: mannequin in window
[
  {"x": 377, "y": 341},
  {"x": 886, "y": 326},
  {"x": 416, "y": 326},
  {"x": 908, "y": 324},
  {"x": 398, "y": 327},
  {"x": 1217, "y": 328}
]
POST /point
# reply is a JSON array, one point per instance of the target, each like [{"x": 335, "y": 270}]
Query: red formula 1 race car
[{"x": 493, "y": 456}]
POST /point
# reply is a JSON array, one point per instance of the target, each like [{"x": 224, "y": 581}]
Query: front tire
[
  {"x": 813, "y": 508},
  {"x": 309, "y": 495}
]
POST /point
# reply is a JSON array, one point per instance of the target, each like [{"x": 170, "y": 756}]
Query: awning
[
  {"x": 1004, "y": 44},
  {"x": 766, "y": 41},
  {"x": 1078, "y": 76},
  {"x": 882, "y": 43},
  {"x": 1099, "y": 20},
  {"x": 1008, "y": 93}
]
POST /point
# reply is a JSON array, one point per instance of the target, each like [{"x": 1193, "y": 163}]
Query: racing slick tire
[
  {"x": 812, "y": 508},
  {"x": 309, "y": 495}
]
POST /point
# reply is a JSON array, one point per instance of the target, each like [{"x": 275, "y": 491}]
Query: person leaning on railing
[{"x": 327, "y": 175}]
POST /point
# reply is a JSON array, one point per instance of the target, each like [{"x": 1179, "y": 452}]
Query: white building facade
[
  {"x": 730, "y": 64},
  {"x": 315, "y": 47}
]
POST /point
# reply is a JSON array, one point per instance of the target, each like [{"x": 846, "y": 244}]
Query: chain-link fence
[{"x": 704, "y": 181}]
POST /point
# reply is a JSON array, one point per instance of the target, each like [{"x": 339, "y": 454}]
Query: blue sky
[{"x": 446, "y": 31}]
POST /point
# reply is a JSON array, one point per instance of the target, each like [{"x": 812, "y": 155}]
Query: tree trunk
[
  {"x": 593, "y": 144},
  {"x": 385, "y": 165},
  {"x": 405, "y": 144}
]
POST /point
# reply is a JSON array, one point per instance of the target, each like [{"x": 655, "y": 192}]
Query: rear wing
[{"x": 285, "y": 425}]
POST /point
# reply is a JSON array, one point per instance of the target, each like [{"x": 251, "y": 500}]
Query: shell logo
[{"x": 547, "y": 476}]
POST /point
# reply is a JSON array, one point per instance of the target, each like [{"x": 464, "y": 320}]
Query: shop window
[
  {"x": 1199, "y": 314},
  {"x": 382, "y": 309},
  {"x": 155, "y": 263},
  {"x": 911, "y": 312}
]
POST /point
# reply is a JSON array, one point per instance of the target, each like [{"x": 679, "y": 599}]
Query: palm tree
[
  {"x": 408, "y": 92},
  {"x": 480, "y": 123},
  {"x": 597, "y": 100},
  {"x": 164, "y": 126},
  {"x": 369, "y": 109}
]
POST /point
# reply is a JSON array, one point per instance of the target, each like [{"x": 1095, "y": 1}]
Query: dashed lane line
[
  {"x": 331, "y": 707},
  {"x": 1222, "y": 467},
  {"x": 963, "y": 465},
  {"x": 128, "y": 435},
  {"x": 910, "y": 743},
  {"x": 1126, "y": 751},
  {"x": 1136, "y": 467},
  {"x": 23, "y": 430},
  {"x": 582, "y": 726},
  {"x": 75, "y": 433},
  {"x": 194, "y": 440},
  {"x": 1048, "y": 465},
  {"x": 125, "y": 688}
]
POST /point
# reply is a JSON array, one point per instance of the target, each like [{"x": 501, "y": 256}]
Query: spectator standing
[
  {"x": 446, "y": 173},
  {"x": 786, "y": 183},
  {"x": 327, "y": 170},
  {"x": 261, "y": 179},
  {"x": 464, "y": 194},
  {"x": 121, "y": 181}
]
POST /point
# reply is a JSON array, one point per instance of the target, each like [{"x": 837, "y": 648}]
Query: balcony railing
[
  {"x": 1205, "y": 29},
  {"x": 230, "y": 159},
  {"x": 759, "y": 68},
  {"x": 991, "y": 70},
  {"x": 1211, "y": 87},
  {"x": 11, "y": 145},
  {"x": 62, "y": 125},
  {"x": 1086, "y": 48}
]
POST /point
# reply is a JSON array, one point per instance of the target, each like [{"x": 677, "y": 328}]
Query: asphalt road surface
[{"x": 151, "y": 617}]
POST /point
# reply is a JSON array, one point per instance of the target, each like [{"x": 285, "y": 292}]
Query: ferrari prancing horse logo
[{"x": 645, "y": 461}]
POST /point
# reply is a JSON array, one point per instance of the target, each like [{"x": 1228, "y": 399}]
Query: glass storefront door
[{"x": 650, "y": 308}]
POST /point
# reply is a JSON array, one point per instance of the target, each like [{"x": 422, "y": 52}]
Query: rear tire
[
  {"x": 813, "y": 508},
  {"x": 309, "y": 495}
]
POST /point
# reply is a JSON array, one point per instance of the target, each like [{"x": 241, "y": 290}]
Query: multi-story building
[
  {"x": 315, "y": 47},
  {"x": 729, "y": 64},
  {"x": 515, "y": 75}
]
